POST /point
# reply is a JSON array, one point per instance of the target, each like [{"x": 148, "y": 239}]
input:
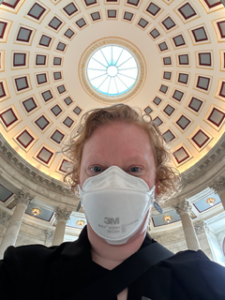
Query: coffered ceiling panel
[{"x": 46, "y": 45}]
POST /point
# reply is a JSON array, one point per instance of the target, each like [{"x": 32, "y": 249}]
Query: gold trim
[{"x": 107, "y": 41}]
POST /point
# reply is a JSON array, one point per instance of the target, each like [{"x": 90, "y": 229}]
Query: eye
[
  {"x": 134, "y": 169},
  {"x": 94, "y": 170}
]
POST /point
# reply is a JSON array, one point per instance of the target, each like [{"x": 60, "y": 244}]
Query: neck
[{"x": 110, "y": 256}]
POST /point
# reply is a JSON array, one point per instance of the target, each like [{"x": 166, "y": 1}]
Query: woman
[{"x": 120, "y": 168}]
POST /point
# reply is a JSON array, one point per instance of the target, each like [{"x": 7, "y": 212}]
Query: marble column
[
  {"x": 219, "y": 188},
  {"x": 201, "y": 228},
  {"x": 183, "y": 209},
  {"x": 49, "y": 236},
  {"x": 61, "y": 216},
  {"x": 22, "y": 201}
]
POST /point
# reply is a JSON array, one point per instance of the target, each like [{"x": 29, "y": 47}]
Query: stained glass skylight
[{"x": 112, "y": 70}]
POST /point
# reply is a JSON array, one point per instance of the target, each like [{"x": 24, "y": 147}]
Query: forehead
[{"x": 118, "y": 138}]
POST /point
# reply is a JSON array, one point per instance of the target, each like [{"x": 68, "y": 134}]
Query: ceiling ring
[{"x": 134, "y": 51}]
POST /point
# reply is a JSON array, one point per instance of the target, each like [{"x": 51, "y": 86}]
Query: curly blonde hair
[{"x": 167, "y": 178}]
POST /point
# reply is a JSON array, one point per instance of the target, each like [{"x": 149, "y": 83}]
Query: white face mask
[{"x": 115, "y": 204}]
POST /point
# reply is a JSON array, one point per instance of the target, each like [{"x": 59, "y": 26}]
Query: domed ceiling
[{"x": 45, "y": 46}]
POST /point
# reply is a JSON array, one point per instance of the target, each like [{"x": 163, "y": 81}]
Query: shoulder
[
  {"x": 25, "y": 256},
  {"x": 194, "y": 269}
]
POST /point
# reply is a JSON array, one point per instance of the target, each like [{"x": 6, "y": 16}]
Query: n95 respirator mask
[{"x": 115, "y": 204}]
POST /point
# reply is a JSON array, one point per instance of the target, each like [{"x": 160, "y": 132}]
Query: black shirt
[{"x": 98, "y": 271}]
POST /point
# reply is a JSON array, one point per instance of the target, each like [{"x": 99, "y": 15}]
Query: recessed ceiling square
[
  {"x": 204, "y": 59},
  {"x": 70, "y": 9},
  {"x": 57, "y": 136},
  {"x": 203, "y": 83},
  {"x": 178, "y": 95},
  {"x": 21, "y": 83},
  {"x": 143, "y": 23},
  {"x": 153, "y": 9},
  {"x": 24, "y": 35},
  {"x": 200, "y": 138},
  {"x": 95, "y": 16},
  {"x": 8, "y": 117},
  {"x": 45, "y": 40},
  {"x": 36, "y": 11},
  {"x": 216, "y": 117},
  {"x": 68, "y": 122},
  {"x": 57, "y": 75},
  {"x": 168, "y": 23},
  {"x": 41, "y": 78},
  {"x": 148, "y": 110},
  {"x": 25, "y": 139},
  {"x": 42, "y": 122},
  {"x": 68, "y": 100},
  {"x": 178, "y": 40},
  {"x": 69, "y": 33},
  {"x": 2, "y": 90},
  {"x": 47, "y": 95},
  {"x": 169, "y": 110},
  {"x": 45, "y": 155},
  {"x": 158, "y": 121},
  {"x": 155, "y": 33},
  {"x": 199, "y": 34},
  {"x": 183, "y": 59},
  {"x": 55, "y": 23},
  {"x": 187, "y": 11},
  {"x": 183, "y": 122},
  {"x": 29, "y": 104},
  {"x": 163, "y": 46},
  {"x": 195, "y": 104},
  {"x": 56, "y": 110},
  {"x": 167, "y": 60},
  {"x": 168, "y": 136},
  {"x": 61, "y": 89},
  {"x": 128, "y": 16}
]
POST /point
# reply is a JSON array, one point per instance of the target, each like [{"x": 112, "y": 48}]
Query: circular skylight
[{"x": 112, "y": 70}]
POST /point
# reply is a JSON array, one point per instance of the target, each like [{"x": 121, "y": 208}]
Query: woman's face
[
  {"x": 118, "y": 144},
  {"x": 123, "y": 145}
]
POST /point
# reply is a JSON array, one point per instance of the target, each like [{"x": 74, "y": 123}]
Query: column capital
[
  {"x": 200, "y": 226},
  {"x": 62, "y": 214},
  {"x": 218, "y": 185},
  {"x": 24, "y": 197},
  {"x": 183, "y": 207}
]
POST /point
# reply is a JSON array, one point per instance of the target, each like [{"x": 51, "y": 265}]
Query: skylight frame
[{"x": 116, "y": 95}]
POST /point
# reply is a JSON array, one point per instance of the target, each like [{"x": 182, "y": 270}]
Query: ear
[{"x": 156, "y": 188}]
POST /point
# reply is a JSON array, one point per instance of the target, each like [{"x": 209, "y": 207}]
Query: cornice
[
  {"x": 31, "y": 173},
  {"x": 213, "y": 157}
]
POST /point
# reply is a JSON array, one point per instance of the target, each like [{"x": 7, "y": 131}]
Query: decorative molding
[
  {"x": 216, "y": 154},
  {"x": 27, "y": 170},
  {"x": 183, "y": 207}
]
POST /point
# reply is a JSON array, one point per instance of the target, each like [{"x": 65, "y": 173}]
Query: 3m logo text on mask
[{"x": 111, "y": 221}]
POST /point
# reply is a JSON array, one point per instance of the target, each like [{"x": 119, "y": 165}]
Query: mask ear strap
[
  {"x": 78, "y": 206},
  {"x": 158, "y": 207}
]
